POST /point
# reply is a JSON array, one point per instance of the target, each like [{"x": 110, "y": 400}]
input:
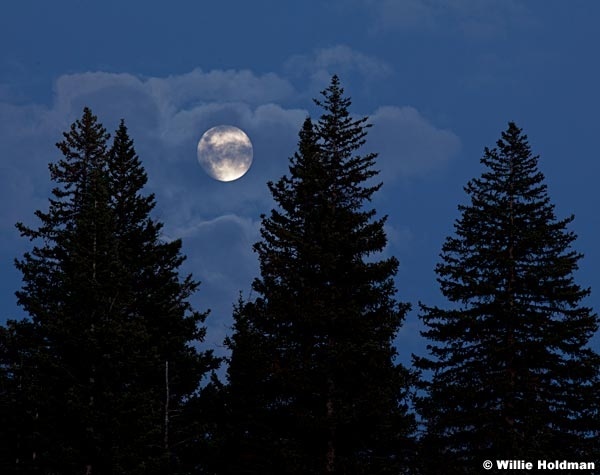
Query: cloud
[
  {"x": 219, "y": 85},
  {"x": 184, "y": 125},
  {"x": 226, "y": 242},
  {"x": 339, "y": 59},
  {"x": 166, "y": 117},
  {"x": 179, "y": 91},
  {"x": 225, "y": 264},
  {"x": 246, "y": 225},
  {"x": 408, "y": 144},
  {"x": 475, "y": 18},
  {"x": 164, "y": 103}
]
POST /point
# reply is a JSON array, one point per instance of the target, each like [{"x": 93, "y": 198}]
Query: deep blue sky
[{"x": 440, "y": 79}]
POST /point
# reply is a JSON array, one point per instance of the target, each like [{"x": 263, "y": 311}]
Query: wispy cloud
[
  {"x": 167, "y": 116},
  {"x": 408, "y": 144},
  {"x": 474, "y": 18},
  {"x": 338, "y": 59}
]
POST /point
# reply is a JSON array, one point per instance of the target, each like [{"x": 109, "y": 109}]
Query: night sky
[{"x": 439, "y": 79}]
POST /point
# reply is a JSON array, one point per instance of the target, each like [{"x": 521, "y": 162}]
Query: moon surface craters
[{"x": 225, "y": 152}]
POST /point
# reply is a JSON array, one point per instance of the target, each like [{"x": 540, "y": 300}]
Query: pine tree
[
  {"x": 18, "y": 414},
  {"x": 158, "y": 303},
  {"x": 61, "y": 287},
  {"x": 114, "y": 360},
  {"x": 313, "y": 386},
  {"x": 512, "y": 376}
]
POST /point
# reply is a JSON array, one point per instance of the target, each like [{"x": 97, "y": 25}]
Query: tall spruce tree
[
  {"x": 313, "y": 385},
  {"x": 18, "y": 414},
  {"x": 112, "y": 361},
  {"x": 512, "y": 376}
]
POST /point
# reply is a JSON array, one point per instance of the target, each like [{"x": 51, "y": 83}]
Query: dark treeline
[{"x": 104, "y": 376}]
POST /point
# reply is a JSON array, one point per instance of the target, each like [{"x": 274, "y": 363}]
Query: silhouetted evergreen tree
[
  {"x": 248, "y": 423},
  {"x": 159, "y": 302},
  {"x": 313, "y": 386},
  {"x": 18, "y": 413},
  {"x": 113, "y": 363},
  {"x": 512, "y": 376}
]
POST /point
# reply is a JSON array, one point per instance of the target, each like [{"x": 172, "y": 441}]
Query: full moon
[{"x": 225, "y": 152}]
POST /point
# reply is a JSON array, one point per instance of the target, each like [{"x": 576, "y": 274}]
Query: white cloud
[
  {"x": 167, "y": 106},
  {"x": 339, "y": 59},
  {"x": 166, "y": 117},
  {"x": 217, "y": 85},
  {"x": 475, "y": 18},
  {"x": 407, "y": 143},
  {"x": 223, "y": 256},
  {"x": 188, "y": 124},
  {"x": 178, "y": 91},
  {"x": 248, "y": 227},
  {"x": 223, "y": 260}
]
